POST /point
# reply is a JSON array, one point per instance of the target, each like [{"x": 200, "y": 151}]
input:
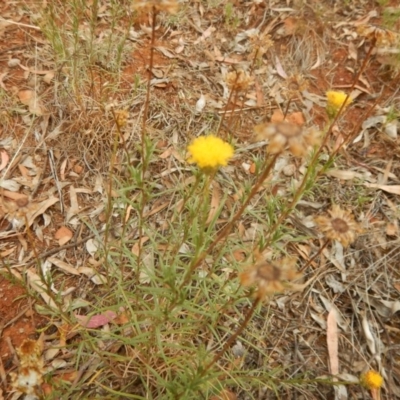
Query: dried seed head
[
  {"x": 169, "y": 6},
  {"x": 260, "y": 43},
  {"x": 270, "y": 277},
  {"x": 22, "y": 202},
  {"x": 294, "y": 85},
  {"x": 382, "y": 37},
  {"x": 27, "y": 380},
  {"x": 239, "y": 80},
  {"x": 121, "y": 117},
  {"x": 339, "y": 226},
  {"x": 30, "y": 352},
  {"x": 30, "y": 374},
  {"x": 285, "y": 134}
]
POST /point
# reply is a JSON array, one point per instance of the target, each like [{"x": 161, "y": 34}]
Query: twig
[{"x": 20, "y": 24}]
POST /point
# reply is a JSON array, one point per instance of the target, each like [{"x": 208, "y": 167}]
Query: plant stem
[
  {"x": 144, "y": 154},
  {"x": 226, "y": 230},
  {"x": 315, "y": 255}
]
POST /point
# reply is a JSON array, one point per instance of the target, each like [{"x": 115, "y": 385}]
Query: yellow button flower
[
  {"x": 372, "y": 379},
  {"x": 210, "y": 152},
  {"x": 335, "y": 100}
]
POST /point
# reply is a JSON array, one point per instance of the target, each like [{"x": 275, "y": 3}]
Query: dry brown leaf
[
  {"x": 277, "y": 116},
  {"x": 6, "y": 253},
  {"x": 394, "y": 189},
  {"x": 29, "y": 98},
  {"x": 206, "y": 34},
  {"x": 122, "y": 318},
  {"x": 135, "y": 247},
  {"x": 93, "y": 275},
  {"x": 48, "y": 77},
  {"x": 344, "y": 174},
  {"x": 333, "y": 342},
  {"x": 74, "y": 209},
  {"x": 225, "y": 395},
  {"x": 14, "y": 195},
  {"x": 25, "y": 96},
  {"x": 63, "y": 235},
  {"x": 34, "y": 71},
  {"x": 166, "y": 153},
  {"x": 39, "y": 209},
  {"x": 215, "y": 202},
  {"x": 63, "y": 266},
  {"x": 296, "y": 118},
  {"x": 2, "y": 85},
  {"x": 36, "y": 284},
  {"x": 4, "y": 159},
  {"x": 392, "y": 229}
]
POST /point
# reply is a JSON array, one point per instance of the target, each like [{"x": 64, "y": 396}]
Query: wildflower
[
  {"x": 285, "y": 134},
  {"x": 335, "y": 100},
  {"x": 210, "y": 152},
  {"x": 270, "y": 277},
  {"x": 239, "y": 80},
  {"x": 339, "y": 226},
  {"x": 170, "y": 6},
  {"x": 121, "y": 117},
  {"x": 371, "y": 379}
]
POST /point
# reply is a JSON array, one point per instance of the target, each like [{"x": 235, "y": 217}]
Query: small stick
[{"x": 20, "y": 24}]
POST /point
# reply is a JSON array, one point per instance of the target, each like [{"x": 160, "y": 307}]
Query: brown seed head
[
  {"x": 285, "y": 134},
  {"x": 382, "y": 37},
  {"x": 339, "y": 226},
  {"x": 270, "y": 277},
  {"x": 239, "y": 80},
  {"x": 294, "y": 85}
]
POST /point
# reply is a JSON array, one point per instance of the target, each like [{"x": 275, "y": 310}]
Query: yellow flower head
[
  {"x": 210, "y": 152},
  {"x": 371, "y": 379},
  {"x": 335, "y": 100}
]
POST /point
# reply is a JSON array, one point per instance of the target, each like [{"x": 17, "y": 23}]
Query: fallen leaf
[
  {"x": 215, "y": 203},
  {"x": 36, "y": 283},
  {"x": 96, "y": 321},
  {"x": 30, "y": 99},
  {"x": 135, "y": 247},
  {"x": 10, "y": 185},
  {"x": 333, "y": 342},
  {"x": 206, "y": 34},
  {"x": 63, "y": 266},
  {"x": 394, "y": 189},
  {"x": 4, "y": 159},
  {"x": 200, "y": 104},
  {"x": 39, "y": 209}
]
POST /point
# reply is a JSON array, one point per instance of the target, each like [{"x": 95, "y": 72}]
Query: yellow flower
[
  {"x": 371, "y": 379},
  {"x": 210, "y": 152},
  {"x": 335, "y": 100},
  {"x": 271, "y": 277},
  {"x": 339, "y": 226}
]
